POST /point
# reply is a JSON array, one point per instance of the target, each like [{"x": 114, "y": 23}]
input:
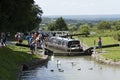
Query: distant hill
[
  {"x": 80, "y": 18},
  {"x": 87, "y": 17}
]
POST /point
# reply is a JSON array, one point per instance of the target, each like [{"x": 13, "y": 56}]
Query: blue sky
[{"x": 79, "y": 7}]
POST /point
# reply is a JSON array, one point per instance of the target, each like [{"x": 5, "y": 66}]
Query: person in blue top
[
  {"x": 32, "y": 45},
  {"x": 28, "y": 38}
]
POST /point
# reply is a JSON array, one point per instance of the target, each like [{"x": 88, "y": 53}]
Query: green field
[
  {"x": 105, "y": 40},
  {"x": 11, "y": 57},
  {"x": 111, "y": 53}
]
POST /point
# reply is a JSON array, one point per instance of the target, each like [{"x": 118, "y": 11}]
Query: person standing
[
  {"x": 32, "y": 45},
  {"x": 100, "y": 44}
]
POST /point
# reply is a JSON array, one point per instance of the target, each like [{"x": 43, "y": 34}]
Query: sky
[{"x": 79, "y": 7}]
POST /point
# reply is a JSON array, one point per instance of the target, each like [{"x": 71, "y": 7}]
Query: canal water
[{"x": 72, "y": 68}]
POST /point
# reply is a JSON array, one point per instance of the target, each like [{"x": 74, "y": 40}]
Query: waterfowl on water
[
  {"x": 73, "y": 63},
  {"x": 61, "y": 70},
  {"x": 91, "y": 68},
  {"x": 100, "y": 67},
  {"x": 79, "y": 69},
  {"x": 58, "y": 62},
  {"x": 52, "y": 70},
  {"x": 52, "y": 57}
]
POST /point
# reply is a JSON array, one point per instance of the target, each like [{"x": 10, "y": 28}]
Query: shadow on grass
[{"x": 10, "y": 62}]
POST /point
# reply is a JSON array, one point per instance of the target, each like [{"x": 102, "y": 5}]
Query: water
[{"x": 73, "y": 68}]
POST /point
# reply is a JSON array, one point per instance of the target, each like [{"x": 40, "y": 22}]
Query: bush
[{"x": 117, "y": 35}]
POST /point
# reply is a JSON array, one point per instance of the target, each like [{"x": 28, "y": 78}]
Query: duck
[
  {"x": 91, "y": 68},
  {"x": 58, "y": 62},
  {"x": 73, "y": 64},
  {"x": 100, "y": 67},
  {"x": 52, "y": 57},
  {"x": 79, "y": 69},
  {"x": 52, "y": 70},
  {"x": 60, "y": 70}
]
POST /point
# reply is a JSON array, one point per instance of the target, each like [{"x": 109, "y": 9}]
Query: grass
[
  {"x": 11, "y": 57},
  {"x": 25, "y": 42},
  {"x": 112, "y": 53},
  {"x": 105, "y": 40}
]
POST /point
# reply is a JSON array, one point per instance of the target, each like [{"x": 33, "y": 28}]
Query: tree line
[
  {"x": 102, "y": 28},
  {"x": 19, "y": 15}
]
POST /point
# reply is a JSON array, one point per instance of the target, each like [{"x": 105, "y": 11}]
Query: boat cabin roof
[{"x": 64, "y": 39}]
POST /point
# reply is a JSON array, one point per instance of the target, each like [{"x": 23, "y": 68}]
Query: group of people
[
  {"x": 34, "y": 40},
  {"x": 4, "y": 36}
]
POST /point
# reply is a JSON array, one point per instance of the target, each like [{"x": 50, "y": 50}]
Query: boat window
[
  {"x": 73, "y": 44},
  {"x": 59, "y": 42},
  {"x": 63, "y": 43}
]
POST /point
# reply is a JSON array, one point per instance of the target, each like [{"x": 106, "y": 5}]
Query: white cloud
[{"x": 61, "y": 7}]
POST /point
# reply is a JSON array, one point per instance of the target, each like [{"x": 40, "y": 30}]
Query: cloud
[{"x": 79, "y": 6}]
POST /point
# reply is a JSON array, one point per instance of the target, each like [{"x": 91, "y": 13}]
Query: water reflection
[{"x": 73, "y": 68}]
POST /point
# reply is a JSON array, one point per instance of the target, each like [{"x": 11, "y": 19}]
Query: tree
[
  {"x": 19, "y": 15},
  {"x": 104, "y": 25},
  {"x": 84, "y": 29},
  {"x": 35, "y": 17},
  {"x": 72, "y": 28},
  {"x": 51, "y": 26},
  {"x": 116, "y": 25},
  {"x": 117, "y": 35},
  {"x": 58, "y": 25}
]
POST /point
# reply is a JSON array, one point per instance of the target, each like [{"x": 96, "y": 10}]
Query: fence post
[{"x": 94, "y": 47}]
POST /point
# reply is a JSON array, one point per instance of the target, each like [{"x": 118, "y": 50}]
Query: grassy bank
[
  {"x": 105, "y": 40},
  {"x": 111, "y": 53},
  {"x": 11, "y": 57}
]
